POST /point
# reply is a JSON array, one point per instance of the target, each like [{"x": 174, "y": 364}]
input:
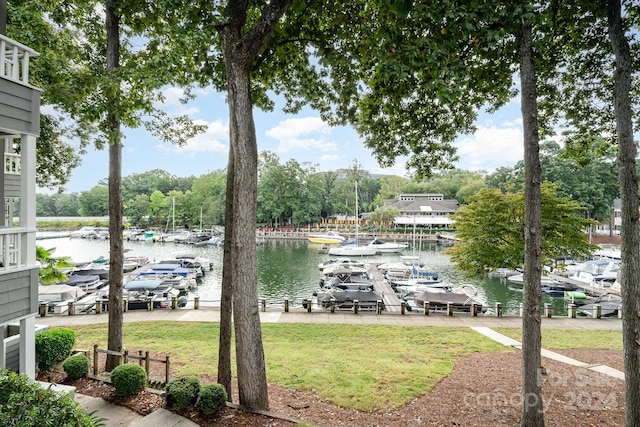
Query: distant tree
[
  {"x": 94, "y": 202},
  {"x": 491, "y": 230},
  {"x": 137, "y": 210},
  {"x": 208, "y": 192},
  {"x": 385, "y": 214}
]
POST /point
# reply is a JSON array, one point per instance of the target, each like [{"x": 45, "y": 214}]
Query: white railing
[
  {"x": 11, "y": 249},
  {"x": 12, "y": 165},
  {"x": 14, "y": 60}
]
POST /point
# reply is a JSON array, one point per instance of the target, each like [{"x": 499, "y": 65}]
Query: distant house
[
  {"x": 424, "y": 210},
  {"x": 19, "y": 120}
]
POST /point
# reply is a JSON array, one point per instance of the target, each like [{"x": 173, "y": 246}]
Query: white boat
[
  {"x": 609, "y": 252},
  {"x": 387, "y": 247},
  {"x": 330, "y": 237},
  {"x": 340, "y": 261},
  {"x": 597, "y": 273},
  {"x": 517, "y": 280},
  {"x": 353, "y": 250}
]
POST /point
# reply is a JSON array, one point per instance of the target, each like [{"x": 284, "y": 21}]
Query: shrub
[
  {"x": 128, "y": 379},
  {"x": 182, "y": 392},
  {"x": 76, "y": 366},
  {"x": 54, "y": 346},
  {"x": 211, "y": 399},
  {"x": 26, "y": 403}
]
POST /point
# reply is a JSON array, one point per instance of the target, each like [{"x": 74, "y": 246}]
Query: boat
[
  {"x": 353, "y": 250},
  {"x": 609, "y": 304},
  {"x": 386, "y": 247},
  {"x": 344, "y": 299},
  {"x": 517, "y": 281},
  {"x": 330, "y": 237},
  {"x": 597, "y": 273},
  {"x": 461, "y": 298},
  {"x": 142, "y": 292},
  {"x": 608, "y": 251},
  {"x": 340, "y": 261},
  {"x": 86, "y": 282}
]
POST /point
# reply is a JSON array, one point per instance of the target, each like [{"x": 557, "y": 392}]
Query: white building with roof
[{"x": 424, "y": 210}]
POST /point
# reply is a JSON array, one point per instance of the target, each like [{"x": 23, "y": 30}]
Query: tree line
[{"x": 295, "y": 193}]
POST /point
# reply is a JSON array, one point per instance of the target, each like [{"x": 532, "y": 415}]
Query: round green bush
[
  {"x": 211, "y": 399},
  {"x": 26, "y": 403},
  {"x": 76, "y": 366},
  {"x": 182, "y": 392},
  {"x": 54, "y": 346},
  {"x": 128, "y": 379}
]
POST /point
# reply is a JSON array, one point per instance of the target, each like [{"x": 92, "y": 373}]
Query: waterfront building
[
  {"x": 19, "y": 121},
  {"x": 424, "y": 210}
]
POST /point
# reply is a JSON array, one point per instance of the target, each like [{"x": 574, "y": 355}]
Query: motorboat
[
  {"x": 330, "y": 263},
  {"x": 461, "y": 298},
  {"x": 86, "y": 282},
  {"x": 193, "y": 260},
  {"x": 386, "y": 247},
  {"x": 609, "y": 305},
  {"x": 597, "y": 273},
  {"x": 608, "y": 251},
  {"x": 329, "y": 237},
  {"x": 517, "y": 281},
  {"x": 352, "y": 251},
  {"x": 345, "y": 299},
  {"x": 141, "y": 293}
]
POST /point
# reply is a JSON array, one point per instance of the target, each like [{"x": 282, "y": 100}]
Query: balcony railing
[
  {"x": 12, "y": 164},
  {"x": 11, "y": 256},
  {"x": 14, "y": 60}
]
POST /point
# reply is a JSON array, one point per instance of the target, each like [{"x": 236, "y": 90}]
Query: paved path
[{"x": 209, "y": 314}]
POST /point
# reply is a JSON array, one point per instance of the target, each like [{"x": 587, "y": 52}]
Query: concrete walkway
[
  {"x": 505, "y": 340},
  {"x": 119, "y": 416}
]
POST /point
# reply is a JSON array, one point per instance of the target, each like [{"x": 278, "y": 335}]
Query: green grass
[
  {"x": 572, "y": 338},
  {"x": 364, "y": 367}
]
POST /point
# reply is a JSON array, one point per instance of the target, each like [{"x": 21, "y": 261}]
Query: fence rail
[{"x": 143, "y": 359}]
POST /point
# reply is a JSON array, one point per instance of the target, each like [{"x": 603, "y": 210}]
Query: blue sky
[{"x": 304, "y": 137}]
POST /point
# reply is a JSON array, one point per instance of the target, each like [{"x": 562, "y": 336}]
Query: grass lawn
[
  {"x": 572, "y": 338},
  {"x": 364, "y": 367}
]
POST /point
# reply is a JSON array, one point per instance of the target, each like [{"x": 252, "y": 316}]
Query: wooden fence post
[{"x": 95, "y": 359}]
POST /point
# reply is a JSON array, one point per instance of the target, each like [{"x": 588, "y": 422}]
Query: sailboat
[{"x": 354, "y": 250}]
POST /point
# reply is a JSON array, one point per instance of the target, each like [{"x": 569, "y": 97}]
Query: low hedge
[
  {"x": 128, "y": 379},
  {"x": 182, "y": 393},
  {"x": 54, "y": 346},
  {"x": 76, "y": 366},
  {"x": 211, "y": 399}
]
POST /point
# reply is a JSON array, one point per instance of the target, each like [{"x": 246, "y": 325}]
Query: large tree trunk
[
  {"x": 252, "y": 381},
  {"x": 627, "y": 153},
  {"x": 115, "y": 193},
  {"x": 240, "y": 46},
  {"x": 226, "y": 306},
  {"x": 532, "y": 408}
]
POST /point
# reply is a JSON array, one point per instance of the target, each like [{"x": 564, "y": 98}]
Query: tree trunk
[
  {"x": 532, "y": 408},
  {"x": 115, "y": 192},
  {"x": 252, "y": 381},
  {"x": 630, "y": 232},
  {"x": 226, "y": 306}
]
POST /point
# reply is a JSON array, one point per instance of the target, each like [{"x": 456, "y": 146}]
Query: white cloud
[
  {"x": 299, "y": 134},
  {"x": 491, "y": 147},
  {"x": 214, "y": 140}
]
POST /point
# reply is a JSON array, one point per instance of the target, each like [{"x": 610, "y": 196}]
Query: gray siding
[
  {"x": 11, "y": 185},
  {"x": 18, "y": 294},
  {"x": 19, "y": 108},
  {"x": 13, "y": 346}
]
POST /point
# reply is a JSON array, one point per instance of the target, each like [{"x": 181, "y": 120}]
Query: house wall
[
  {"x": 17, "y": 297},
  {"x": 19, "y": 107}
]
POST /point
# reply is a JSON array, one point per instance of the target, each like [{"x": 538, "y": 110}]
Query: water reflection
[{"x": 289, "y": 269}]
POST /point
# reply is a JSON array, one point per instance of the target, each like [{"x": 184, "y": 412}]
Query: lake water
[{"x": 288, "y": 269}]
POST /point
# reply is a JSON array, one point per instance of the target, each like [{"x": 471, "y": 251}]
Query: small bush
[
  {"x": 211, "y": 399},
  {"x": 128, "y": 379},
  {"x": 26, "y": 403},
  {"x": 54, "y": 346},
  {"x": 182, "y": 392},
  {"x": 76, "y": 366}
]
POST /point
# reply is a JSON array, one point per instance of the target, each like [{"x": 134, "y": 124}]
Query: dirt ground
[{"x": 483, "y": 390}]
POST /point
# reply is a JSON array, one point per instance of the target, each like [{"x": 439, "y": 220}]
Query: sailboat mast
[{"x": 357, "y": 222}]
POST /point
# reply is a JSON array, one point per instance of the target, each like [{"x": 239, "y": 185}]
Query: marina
[{"x": 288, "y": 270}]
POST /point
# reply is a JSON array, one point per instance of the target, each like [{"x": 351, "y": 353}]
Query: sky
[{"x": 304, "y": 137}]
